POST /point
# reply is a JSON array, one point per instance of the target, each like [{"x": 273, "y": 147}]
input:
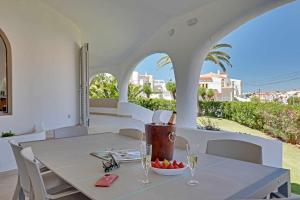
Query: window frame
[{"x": 8, "y": 73}]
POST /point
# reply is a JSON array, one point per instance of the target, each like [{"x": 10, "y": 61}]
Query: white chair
[
  {"x": 23, "y": 184},
  {"x": 40, "y": 192},
  {"x": 161, "y": 116},
  {"x": 71, "y": 131},
  {"x": 23, "y": 187},
  {"x": 133, "y": 133},
  {"x": 235, "y": 149},
  {"x": 180, "y": 142}
]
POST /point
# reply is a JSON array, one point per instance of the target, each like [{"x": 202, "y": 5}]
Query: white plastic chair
[
  {"x": 23, "y": 184},
  {"x": 40, "y": 192},
  {"x": 235, "y": 149},
  {"x": 71, "y": 131},
  {"x": 180, "y": 142}
]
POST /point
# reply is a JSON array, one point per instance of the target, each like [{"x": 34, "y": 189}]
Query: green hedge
[
  {"x": 155, "y": 104},
  {"x": 279, "y": 120}
]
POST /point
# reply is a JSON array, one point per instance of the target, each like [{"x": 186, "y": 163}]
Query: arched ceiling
[{"x": 116, "y": 29}]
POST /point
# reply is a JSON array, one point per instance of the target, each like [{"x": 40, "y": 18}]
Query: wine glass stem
[
  {"x": 192, "y": 173},
  {"x": 146, "y": 175}
]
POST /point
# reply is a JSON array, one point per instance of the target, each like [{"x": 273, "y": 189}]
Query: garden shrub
[
  {"x": 155, "y": 104},
  {"x": 278, "y": 120}
]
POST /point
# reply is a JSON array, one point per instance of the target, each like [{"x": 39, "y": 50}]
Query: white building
[
  {"x": 146, "y": 79},
  {"x": 225, "y": 89},
  {"x": 158, "y": 86},
  {"x": 160, "y": 90},
  {"x": 135, "y": 78}
]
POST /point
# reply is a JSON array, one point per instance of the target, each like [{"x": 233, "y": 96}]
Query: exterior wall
[
  {"x": 134, "y": 78},
  {"x": 226, "y": 88},
  {"x": 237, "y": 87},
  {"x": 45, "y": 66},
  {"x": 226, "y": 95},
  {"x": 160, "y": 86},
  {"x": 135, "y": 111}
]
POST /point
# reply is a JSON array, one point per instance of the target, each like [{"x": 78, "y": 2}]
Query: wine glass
[
  {"x": 192, "y": 151},
  {"x": 146, "y": 153}
]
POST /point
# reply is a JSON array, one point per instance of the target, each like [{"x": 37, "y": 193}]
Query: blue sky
[{"x": 265, "y": 50}]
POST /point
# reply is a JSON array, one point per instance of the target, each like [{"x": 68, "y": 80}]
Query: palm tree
[
  {"x": 210, "y": 94},
  {"x": 147, "y": 90},
  {"x": 202, "y": 92},
  {"x": 104, "y": 86},
  {"x": 171, "y": 87},
  {"x": 216, "y": 56},
  {"x": 134, "y": 91}
]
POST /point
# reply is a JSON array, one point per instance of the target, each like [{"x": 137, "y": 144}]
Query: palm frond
[
  {"x": 220, "y": 53},
  {"x": 165, "y": 60},
  {"x": 212, "y": 58},
  {"x": 222, "y": 66},
  {"x": 222, "y": 45},
  {"x": 227, "y": 62}
]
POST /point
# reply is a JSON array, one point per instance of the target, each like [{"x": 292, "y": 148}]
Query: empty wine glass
[
  {"x": 146, "y": 153},
  {"x": 192, "y": 151}
]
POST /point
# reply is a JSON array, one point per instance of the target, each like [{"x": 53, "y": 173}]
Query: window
[{"x": 5, "y": 75}]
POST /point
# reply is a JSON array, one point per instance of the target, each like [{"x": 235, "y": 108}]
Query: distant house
[
  {"x": 266, "y": 96},
  {"x": 158, "y": 86},
  {"x": 225, "y": 88}
]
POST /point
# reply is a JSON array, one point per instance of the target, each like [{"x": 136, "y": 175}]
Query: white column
[
  {"x": 187, "y": 68},
  {"x": 123, "y": 87}
]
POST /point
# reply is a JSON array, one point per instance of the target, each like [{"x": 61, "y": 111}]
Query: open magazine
[{"x": 120, "y": 155}]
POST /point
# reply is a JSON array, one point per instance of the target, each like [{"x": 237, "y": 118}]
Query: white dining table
[{"x": 220, "y": 178}]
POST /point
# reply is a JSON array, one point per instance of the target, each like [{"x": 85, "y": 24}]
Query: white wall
[{"x": 45, "y": 61}]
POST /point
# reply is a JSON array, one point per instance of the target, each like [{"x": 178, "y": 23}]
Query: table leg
[{"x": 285, "y": 189}]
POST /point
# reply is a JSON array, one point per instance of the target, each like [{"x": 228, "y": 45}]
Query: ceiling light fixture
[
  {"x": 171, "y": 32},
  {"x": 192, "y": 21}
]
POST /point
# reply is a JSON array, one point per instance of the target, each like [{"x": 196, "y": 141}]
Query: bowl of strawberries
[{"x": 168, "y": 168}]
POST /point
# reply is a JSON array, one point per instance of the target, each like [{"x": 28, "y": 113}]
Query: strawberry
[
  {"x": 181, "y": 165},
  {"x": 174, "y": 162},
  {"x": 170, "y": 166},
  {"x": 175, "y": 167}
]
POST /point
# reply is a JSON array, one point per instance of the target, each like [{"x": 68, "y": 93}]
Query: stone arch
[
  {"x": 158, "y": 86},
  {"x": 103, "y": 86}
]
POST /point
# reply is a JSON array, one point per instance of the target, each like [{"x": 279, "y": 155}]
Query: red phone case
[{"x": 106, "y": 180}]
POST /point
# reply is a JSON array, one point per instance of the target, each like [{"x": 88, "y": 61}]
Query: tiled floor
[{"x": 8, "y": 181}]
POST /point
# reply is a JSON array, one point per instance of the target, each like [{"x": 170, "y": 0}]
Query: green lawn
[{"x": 291, "y": 153}]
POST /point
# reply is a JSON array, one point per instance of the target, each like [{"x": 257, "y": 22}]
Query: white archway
[{"x": 103, "y": 86}]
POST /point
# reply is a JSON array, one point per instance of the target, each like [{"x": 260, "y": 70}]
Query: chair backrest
[
  {"x": 22, "y": 170},
  {"x": 71, "y": 131},
  {"x": 235, "y": 149},
  {"x": 180, "y": 142},
  {"x": 36, "y": 179},
  {"x": 161, "y": 116},
  {"x": 133, "y": 133}
]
